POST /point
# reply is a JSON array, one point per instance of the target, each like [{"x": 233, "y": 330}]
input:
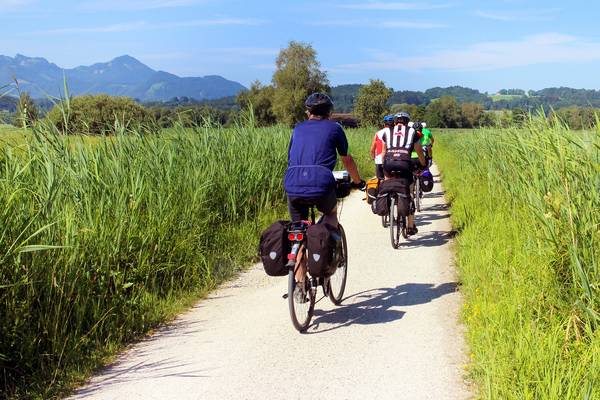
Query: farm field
[{"x": 527, "y": 209}]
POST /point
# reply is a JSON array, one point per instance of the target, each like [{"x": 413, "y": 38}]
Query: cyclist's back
[{"x": 312, "y": 156}]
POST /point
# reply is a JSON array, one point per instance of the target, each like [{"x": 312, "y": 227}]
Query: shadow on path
[{"x": 377, "y": 306}]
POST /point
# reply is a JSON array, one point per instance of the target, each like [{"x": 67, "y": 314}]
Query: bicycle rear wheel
[
  {"x": 417, "y": 194},
  {"x": 301, "y": 302},
  {"x": 337, "y": 281},
  {"x": 395, "y": 223}
]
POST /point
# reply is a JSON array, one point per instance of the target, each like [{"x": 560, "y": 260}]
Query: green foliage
[
  {"x": 27, "y": 112},
  {"x": 576, "y": 117},
  {"x": 417, "y": 113},
  {"x": 444, "y": 113},
  {"x": 512, "y": 92},
  {"x": 98, "y": 115},
  {"x": 472, "y": 115},
  {"x": 298, "y": 74},
  {"x": 371, "y": 103},
  {"x": 259, "y": 99},
  {"x": 526, "y": 202}
]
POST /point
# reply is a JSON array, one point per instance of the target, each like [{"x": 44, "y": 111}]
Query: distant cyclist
[
  {"x": 312, "y": 156},
  {"x": 426, "y": 140},
  {"x": 396, "y": 157},
  {"x": 377, "y": 144}
]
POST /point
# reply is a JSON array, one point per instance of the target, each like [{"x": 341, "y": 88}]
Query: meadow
[
  {"x": 103, "y": 239},
  {"x": 526, "y": 204}
]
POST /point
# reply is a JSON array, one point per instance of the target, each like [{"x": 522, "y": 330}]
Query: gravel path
[{"x": 395, "y": 336}]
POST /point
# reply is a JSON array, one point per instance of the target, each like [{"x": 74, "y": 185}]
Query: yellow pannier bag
[{"x": 372, "y": 189}]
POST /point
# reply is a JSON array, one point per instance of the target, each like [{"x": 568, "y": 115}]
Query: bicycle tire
[
  {"x": 385, "y": 220},
  {"x": 395, "y": 223},
  {"x": 336, "y": 289},
  {"x": 300, "y": 322},
  {"x": 417, "y": 193}
]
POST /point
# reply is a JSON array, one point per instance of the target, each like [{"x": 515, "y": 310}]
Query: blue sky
[{"x": 409, "y": 44}]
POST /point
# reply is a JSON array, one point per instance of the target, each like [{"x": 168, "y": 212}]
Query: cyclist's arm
[
  {"x": 373, "y": 147},
  {"x": 419, "y": 151},
  {"x": 350, "y": 166},
  {"x": 432, "y": 139}
]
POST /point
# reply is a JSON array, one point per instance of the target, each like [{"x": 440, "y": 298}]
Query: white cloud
[
  {"x": 546, "y": 48},
  {"x": 130, "y": 26},
  {"x": 142, "y": 25},
  {"x": 392, "y": 6},
  {"x": 14, "y": 5},
  {"x": 372, "y": 24},
  {"x": 520, "y": 15},
  {"x": 138, "y": 5}
]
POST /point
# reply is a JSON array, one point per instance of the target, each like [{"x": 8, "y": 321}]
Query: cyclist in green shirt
[{"x": 426, "y": 140}]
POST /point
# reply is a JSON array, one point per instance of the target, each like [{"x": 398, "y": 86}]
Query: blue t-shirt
[{"x": 312, "y": 155}]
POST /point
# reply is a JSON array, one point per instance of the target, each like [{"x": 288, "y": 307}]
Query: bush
[{"x": 99, "y": 115}]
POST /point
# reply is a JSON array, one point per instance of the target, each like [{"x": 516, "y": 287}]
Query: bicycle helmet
[
  {"x": 423, "y": 124},
  {"x": 388, "y": 119},
  {"x": 402, "y": 114},
  {"x": 319, "y": 104}
]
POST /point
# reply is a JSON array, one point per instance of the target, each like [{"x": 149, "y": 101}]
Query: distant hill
[{"x": 122, "y": 76}]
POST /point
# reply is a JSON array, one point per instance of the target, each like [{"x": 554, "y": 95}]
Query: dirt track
[{"x": 396, "y": 335}]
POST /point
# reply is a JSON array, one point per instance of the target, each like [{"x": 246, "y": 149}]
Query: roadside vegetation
[
  {"x": 526, "y": 204},
  {"x": 104, "y": 239}
]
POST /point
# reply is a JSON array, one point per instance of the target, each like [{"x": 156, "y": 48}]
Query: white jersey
[
  {"x": 404, "y": 137},
  {"x": 379, "y": 144}
]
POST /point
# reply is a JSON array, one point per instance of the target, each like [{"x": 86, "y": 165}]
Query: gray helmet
[{"x": 402, "y": 114}]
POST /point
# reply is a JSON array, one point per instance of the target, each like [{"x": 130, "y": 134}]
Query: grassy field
[
  {"x": 526, "y": 203},
  {"x": 103, "y": 239}
]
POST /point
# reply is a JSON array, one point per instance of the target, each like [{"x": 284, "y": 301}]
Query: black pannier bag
[
  {"x": 274, "y": 248},
  {"x": 402, "y": 188},
  {"x": 381, "y": 204},
  {"x": 320, "y": 244},
  {"x": 397, "y": 161},
  {"x": 371, "y": 194}
]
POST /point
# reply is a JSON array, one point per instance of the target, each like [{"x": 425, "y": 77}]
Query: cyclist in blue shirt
[{"x": 312, "y": 156}]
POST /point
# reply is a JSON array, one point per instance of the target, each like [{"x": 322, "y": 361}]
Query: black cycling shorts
[{"x": 300, "y": 206}]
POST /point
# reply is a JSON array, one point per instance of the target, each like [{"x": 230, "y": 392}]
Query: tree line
[{"x": 298, "y": 73}]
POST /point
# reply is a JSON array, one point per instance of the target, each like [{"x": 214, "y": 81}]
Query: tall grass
[
  {"x": 102, "y": 239},
  {"x": 527, "y": 205}
]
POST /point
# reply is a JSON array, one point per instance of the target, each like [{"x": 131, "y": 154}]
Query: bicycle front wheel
[
  {"x": 395, "y": 223},
  {"x": 337, "y": 281},
  {"x": 301, "y": 301}
]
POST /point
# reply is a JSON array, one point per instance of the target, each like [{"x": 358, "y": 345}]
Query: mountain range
[{"x": 122, "y": 76}]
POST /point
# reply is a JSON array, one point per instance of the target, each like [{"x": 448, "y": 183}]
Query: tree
[
  {"x": 371, "y": 102},
  {"x": 27, "y": 112},
  {"x": 444, "y": 113},
  {"x": 472, "y": 114},
  {"x": 260, "y": 99},
  {"x": 297, "y": 75},
  {"x": 99, "y": 115}
]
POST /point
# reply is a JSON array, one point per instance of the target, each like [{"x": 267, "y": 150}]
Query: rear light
[
  {"x": 296, "y": 237},
  {"x": 291, "y": 256}
]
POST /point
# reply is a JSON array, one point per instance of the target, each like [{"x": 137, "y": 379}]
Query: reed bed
[
  {"x": 526, "y": 203},
  {"x": 102, "y": 239}
]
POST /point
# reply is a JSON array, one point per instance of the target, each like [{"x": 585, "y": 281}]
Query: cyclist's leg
[
  {"x": 327, "y": 205},
  {"x": 379, "y": 171}
]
